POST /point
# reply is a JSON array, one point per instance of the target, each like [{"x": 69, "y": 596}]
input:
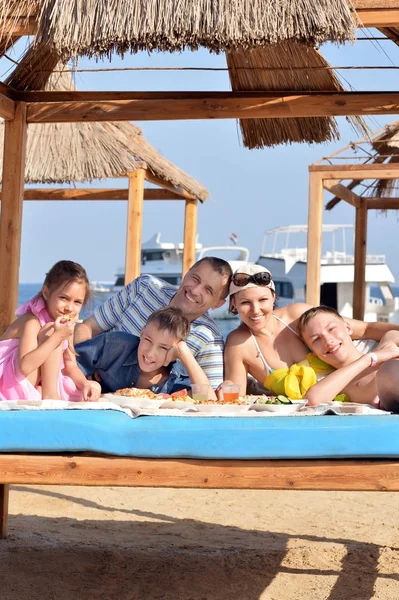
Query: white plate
[
  {"x": 179, "y": 404},
  {"x": 284, "y": 409},
  {"x": 222, "y": 409},
  {"x": 132, "y": 401}
]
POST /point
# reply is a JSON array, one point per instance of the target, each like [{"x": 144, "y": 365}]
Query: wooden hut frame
[{"x": 19, "y": 108}]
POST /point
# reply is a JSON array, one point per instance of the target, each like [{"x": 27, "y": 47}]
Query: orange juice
[{"x": 230, "y": 396}]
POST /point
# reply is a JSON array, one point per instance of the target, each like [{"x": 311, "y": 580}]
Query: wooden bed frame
[{"x": 103, "y": 470}]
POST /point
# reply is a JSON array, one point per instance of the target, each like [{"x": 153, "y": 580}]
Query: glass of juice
[
  {"x": 200, "y": 392},
  {"x": 231, "y": 392}
]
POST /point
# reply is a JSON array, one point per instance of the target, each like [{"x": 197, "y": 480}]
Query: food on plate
[
  {"x": 273, "y": 400},
  {"x": 181, "y": 395}
]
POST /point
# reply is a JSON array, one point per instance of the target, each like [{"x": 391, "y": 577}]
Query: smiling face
[
  {"x": 254, "y": 306},
  {"x": 200, "y": 290},
  {"x": 153, "y": 347},
  {"x": 65, "y": 300},
  {"x": 329, "y": 337}
]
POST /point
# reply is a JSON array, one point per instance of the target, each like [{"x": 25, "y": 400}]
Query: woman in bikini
[{"x": 267, "y": 346}]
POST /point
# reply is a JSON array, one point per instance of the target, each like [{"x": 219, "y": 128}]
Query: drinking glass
[
  {"x": 231, "y": 392},
  {"x": 200, "y": 391}
]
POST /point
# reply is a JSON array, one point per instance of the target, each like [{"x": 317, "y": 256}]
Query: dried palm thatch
[
  {"x": 99, "y": 27},
  {"x": 286, "y": 66},
  {"x": 13, "y": 14},
  {"x": 34, "y": 68},
  {"x": 384, "y": 150},
  {"x": 70, "y": 152}
]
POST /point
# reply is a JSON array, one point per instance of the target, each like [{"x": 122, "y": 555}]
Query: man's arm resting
[{"x": 87, "y": 330}]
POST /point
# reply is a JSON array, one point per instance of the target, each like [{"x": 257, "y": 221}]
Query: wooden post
[
  {"x": 134, "y": 224},
  {"x": 315, "y": 224},
  {"x": 190, "y": 234},
  {"x": 359, "y": 284},
  {"x": 11, "y": 213},
  {"x": 4, "y": 489}
]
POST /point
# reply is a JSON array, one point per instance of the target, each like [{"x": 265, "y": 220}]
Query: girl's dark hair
[
  {"x": 312, "y": 312},
  {"x": 64, "y": 272},
  {"x": 171, "y": 319}
]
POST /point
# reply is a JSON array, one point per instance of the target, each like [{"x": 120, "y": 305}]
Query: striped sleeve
[
  {"x": 208, "y": 352},
  {"x": 109, "y": 315}
]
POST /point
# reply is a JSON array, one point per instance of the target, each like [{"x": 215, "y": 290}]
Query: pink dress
[{"x": 14, "y": 385}]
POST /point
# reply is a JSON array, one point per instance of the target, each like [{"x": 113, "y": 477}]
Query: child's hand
[
  {"x": 91, "y": 391},
  {"x": 176, "y": 352},
  {"x": 64, "y": 328}
]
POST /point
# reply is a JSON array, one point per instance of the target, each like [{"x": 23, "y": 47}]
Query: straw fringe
[
  {"x": 71, "y": 152},
  {"x": 250, "y": 71},
  {"x": 98, "y": 27},
  {"x": 12, "y": 12}
]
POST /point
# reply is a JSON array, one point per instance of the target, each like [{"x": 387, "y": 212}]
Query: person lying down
[{"x": 371, "y": 378}]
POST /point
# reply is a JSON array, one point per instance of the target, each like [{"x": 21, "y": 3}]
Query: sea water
[{"x": 28, "y": 290}]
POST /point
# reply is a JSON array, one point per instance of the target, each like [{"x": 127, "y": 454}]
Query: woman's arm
[
  {"x": 372, "y": 331},
  {"x": 234, "y": 365}
]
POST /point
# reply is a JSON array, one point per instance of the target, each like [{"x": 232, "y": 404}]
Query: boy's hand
[
  {"x": 176, "y": 352},
  {"x": 386, "y": 351}
]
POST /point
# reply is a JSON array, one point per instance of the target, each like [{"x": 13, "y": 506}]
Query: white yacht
[
  {"x": 165, "y": 260},
  {"x": 288, "y": 261}
]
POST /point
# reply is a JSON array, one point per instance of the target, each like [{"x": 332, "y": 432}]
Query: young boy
[
  {"x": 152, "y": 361},
  {"x": 361, "y": 377}
]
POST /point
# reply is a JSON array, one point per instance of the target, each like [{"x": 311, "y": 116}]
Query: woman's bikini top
[{"x": 259, "y": 351}]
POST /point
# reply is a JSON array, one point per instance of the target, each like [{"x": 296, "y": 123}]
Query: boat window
[
  {"x": 151, "y": 255},
  {"x": 284, "y": 289}
]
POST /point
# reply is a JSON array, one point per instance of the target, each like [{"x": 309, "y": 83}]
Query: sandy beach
[{"x": 125, "y": 544}]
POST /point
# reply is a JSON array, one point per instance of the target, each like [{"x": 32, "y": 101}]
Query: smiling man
[{"x": 204, "y": 287}]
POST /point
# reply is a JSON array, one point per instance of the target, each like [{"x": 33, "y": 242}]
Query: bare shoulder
[
  {"x": 24, "y": 323},
  {"x": 237, "y": 336},
  {"x": 293, "y": 311}
]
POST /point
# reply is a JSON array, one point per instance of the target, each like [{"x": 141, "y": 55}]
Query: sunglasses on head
[{"x": 241, "y": 279}]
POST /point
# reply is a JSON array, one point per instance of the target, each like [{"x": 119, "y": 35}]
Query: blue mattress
[{"x": 112, "y": 432}]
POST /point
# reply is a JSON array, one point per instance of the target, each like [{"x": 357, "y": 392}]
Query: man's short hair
[
  {"x": 221, "y": 266},
  {"x": 173, "y": 320},
  {"x": 312, "y": 312}
]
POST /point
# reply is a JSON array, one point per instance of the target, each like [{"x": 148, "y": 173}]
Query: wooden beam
[
  {"x": 7, "y": 108},
  {"x": 356, "y": 171},
  {"x": 359, "y": 283},
  {"x": 102, "y": 194},
  {"x": 11, "y": 213},
  {"x": 343, "y": 475},
  {"x": 155, "y": 106},
  {"x": 379, "y": 17},
  {"x": 190, "y": 234},
  {"x": 341, "y": 191},
  {"x": 4, "y": 494},
  {"x": 315, "y": 223},
  {"x": 134, "y": 225},
  {"x": 19, "y": 27},
  {"x": 179, "y": 191},
  {"x": 383, "y": 203}
]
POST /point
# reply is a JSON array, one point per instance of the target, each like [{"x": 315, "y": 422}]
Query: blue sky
[{"x": 250, "y": 190}]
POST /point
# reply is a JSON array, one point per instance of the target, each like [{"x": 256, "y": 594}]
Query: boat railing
[{"x": 329, "y": 257}]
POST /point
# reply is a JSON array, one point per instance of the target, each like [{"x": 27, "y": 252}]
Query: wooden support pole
[
  {"x": 4, "y": 493},
  {"x": 190, "y": 234},
  {"x": 11, "y": 213},
  {"x": 315, "y": 223},
  {"x": 359, "y": 284},
  {"x": 134, "y": 224}
]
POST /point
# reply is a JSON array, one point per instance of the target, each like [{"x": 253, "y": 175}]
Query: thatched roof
[
  {"x": 104, "y": 26},
  {"x": 70, "y": 152},
  {"x": 259, "y": 70},
  {"x": 381, "y": 147}
]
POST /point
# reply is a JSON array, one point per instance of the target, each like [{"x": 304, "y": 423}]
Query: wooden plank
[
  {"x": 99, "y": 194},
  {"x": 11, "y": 213},
  {"x": 315, "y": 222},
  {"x": 372, "y": 171},
  {"x": 177, "y": 190},
  {"x": 378, "y": 17},
  {"x": 383, "y": 203},
  {"x": 7, "y": 108},
  {"x": 4, "y": 494},
  {"x": 153, "y": 106},
  {"x": 190, "y": 234},
  {"x": 18, "y": 27},
  {"x": 134, "y": 225},
  {"x": 359, "y": 283},
  {"x": 341, "y": 191},
  {"x": 345, "y": 475}
]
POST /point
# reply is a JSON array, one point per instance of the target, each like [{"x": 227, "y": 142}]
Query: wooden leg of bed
[{"x": 4, "y": 489}]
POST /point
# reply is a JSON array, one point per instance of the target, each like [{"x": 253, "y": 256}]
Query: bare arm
[
  {"x": 87, "y": 330},
  {"x": 234, "y": 366},
  {"x": 194, "y": 371},
  {"x": 72, "y": 370},
  {"x": 31, "y": 354}
]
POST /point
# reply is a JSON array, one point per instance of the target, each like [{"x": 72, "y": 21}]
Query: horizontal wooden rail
[
  {"x": 361, "y": 475},
  {"x": 372, "y": 171},
  {"x": 105, "y": 194},
  {"x": 145, "y": 106}
]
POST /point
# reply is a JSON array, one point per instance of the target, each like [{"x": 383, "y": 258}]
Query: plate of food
[
  {"x": 216, "y": 407},
  {"x": 277, "y": 404}
]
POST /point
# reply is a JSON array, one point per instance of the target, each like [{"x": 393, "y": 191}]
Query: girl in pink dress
[{"x": 37, "y": 359}]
